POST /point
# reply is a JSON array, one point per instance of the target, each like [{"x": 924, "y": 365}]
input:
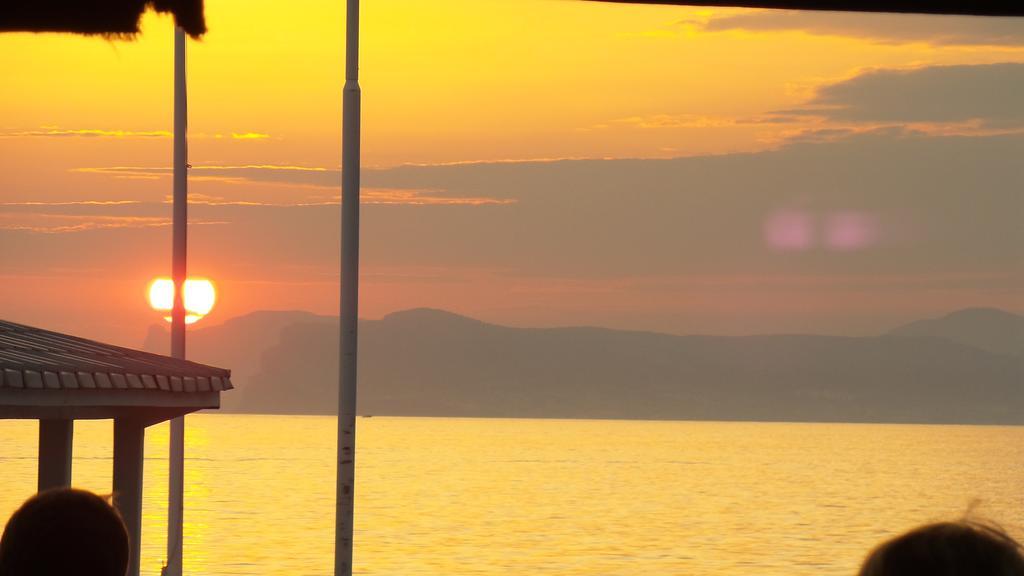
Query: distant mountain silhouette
[
  {"x": 434, "y": 363},
  {"x": 237, "y": 344},
  {"x": 986, "y": 328}
]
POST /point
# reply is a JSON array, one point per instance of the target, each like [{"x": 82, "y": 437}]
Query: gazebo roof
[
  {"x": 41, "y": 359},
  {"x": 49, "y": 375}
]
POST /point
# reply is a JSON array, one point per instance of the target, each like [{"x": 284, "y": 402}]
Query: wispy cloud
[
  {"x": 426, "y": 198},
  {"x": 198, "y": 199},
  {"x": 74, "y": 203},
  {"x": 47, "y": 223},
  {"x": 270, "y": 174},
  {"x": 167, "y": 170},
  {"x": 53, "y": 132},
  {"x": 64, "y": 223},
  {"x": 656, "y": 121},
  {"x": 304, "y": 176},
  {"x": 677, "y": 121},
  {"x": 58, "y": 132}
]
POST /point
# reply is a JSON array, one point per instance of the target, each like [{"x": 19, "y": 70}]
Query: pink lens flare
[
  {"x": 841, "y": 231},
  {"x": 789, "y": 230},
  {"x": 848, "y": 231}
]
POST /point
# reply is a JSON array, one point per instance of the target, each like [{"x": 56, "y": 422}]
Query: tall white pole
[
  {"x": 176, "y": 465},
  {"x": 345, "y": 499}
]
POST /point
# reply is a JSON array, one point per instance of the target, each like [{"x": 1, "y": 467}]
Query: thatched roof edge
[
  {"x": 117, "y": 18},
  {"x": 960, "y": 7}
]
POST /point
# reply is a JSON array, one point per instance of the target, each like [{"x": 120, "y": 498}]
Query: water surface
[{"x": 485, "y": 497}]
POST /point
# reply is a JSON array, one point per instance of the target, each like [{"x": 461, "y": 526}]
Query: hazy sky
[{"x": 529, "y": 162}]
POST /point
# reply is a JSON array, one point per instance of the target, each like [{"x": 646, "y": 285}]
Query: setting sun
[{"x": 200, "y": 296}]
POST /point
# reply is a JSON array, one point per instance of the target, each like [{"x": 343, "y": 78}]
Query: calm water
[{"x": 460, "y": 496}]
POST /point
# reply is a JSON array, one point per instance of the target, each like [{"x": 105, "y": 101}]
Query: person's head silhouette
[
  {"x": 947, "y": 549},
  {"x": 64, "y": 531}
]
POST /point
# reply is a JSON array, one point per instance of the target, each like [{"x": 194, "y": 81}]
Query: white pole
[
  {"x": 176, "y": 464},
  {"x": 345, "y": 498}
]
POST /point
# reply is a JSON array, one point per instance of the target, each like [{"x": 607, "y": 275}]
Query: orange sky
[{"x": 453, "y": 81}]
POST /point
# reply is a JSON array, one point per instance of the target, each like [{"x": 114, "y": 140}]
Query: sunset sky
[{"x": 527, "y": 162}]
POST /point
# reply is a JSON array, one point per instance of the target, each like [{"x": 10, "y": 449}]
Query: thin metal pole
[
  {"x": 345, "y": 499},
  {"x": 179, "y": 270}
]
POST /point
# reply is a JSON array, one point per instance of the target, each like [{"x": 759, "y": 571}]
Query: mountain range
[{"x": 966, "y": 367}]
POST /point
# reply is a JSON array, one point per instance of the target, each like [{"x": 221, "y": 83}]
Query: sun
[{"x": 200, "y": 296}]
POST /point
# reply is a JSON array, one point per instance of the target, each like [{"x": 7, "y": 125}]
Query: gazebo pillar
[
  {"x": 129, "y": 435},
  {"x": 73, "y": 378},
  {"x": 55, "y": 439}
]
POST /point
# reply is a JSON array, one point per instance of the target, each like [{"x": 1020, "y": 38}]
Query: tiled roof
[{"x": 41, "y": 359}]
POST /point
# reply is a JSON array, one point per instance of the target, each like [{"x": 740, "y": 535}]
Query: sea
[{"x": 445, "y": 496}]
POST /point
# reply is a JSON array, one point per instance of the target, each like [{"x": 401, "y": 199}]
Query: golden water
[{"x": 487, "y": 497}]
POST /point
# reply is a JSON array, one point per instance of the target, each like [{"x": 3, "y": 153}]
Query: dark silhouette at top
[
  {"x": 947, "y": 549},
  {"x": 122, "y": 16},
  {"x": 965, "y": 7},
  {"x": 97, "y": 16},
  {"x": 64, "y": 531}
]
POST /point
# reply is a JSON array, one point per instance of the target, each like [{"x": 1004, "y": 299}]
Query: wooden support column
[
  {"x": 129, "y": 435},
  {"x": 55, "y": 439}
]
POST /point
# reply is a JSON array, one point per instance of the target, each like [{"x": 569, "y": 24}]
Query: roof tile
[
  {"x": 134, "y": 381},
  {"x": 85, "y": 380},
  {"x": 12, "y": 378},
  {"x": 68, "y": 380},
  {"x": 33, "y": 379},
  {"x": 52, "y": 380},
  {"x": 103, "y": 381}
]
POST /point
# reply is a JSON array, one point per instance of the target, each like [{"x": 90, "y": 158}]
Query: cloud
[
  {"x": 266, "y": 173},
  {"x": 74, "y": 203},
  {"x": 198, "y": 199},
  {"x": 924, "y": 196},
  {"x": 306, "y": 176},
  {"x": 62, "y": 219},
  {"x": 873, "y": 207},
  {"x": 425, "y": 198},
  {"x": 934, "y": 100},
  {"x": 63, "y": 223},
  {"x": 987, "y": 95},
  {"x": 678, "y": 121},
  {"x": 705, "y": 121},
  {"x": 888, "y": 28},
  {"x": 57, "y": 132},
  {"x": 53, "y": 132}
]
